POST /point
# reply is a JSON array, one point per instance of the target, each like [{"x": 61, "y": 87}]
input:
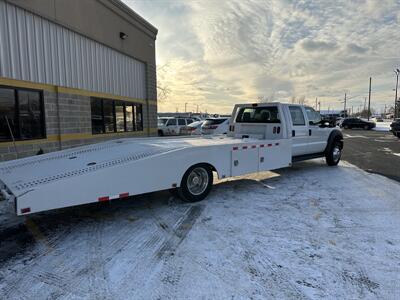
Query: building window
[
  {"x": 21, "y": 114},
  {"x": 115, "y": 116}
]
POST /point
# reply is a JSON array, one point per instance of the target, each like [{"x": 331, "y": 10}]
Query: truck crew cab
[{"x": 261, "y": 137}]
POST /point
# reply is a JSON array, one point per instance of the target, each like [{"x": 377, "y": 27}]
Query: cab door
[
  {"x": 318, "y": 136},
  {"x": 299, "y": 130}
]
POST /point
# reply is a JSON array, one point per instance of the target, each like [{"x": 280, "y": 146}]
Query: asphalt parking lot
[
  {"x": 373, "y": 151},
  {"x": 305, "y": 232}
]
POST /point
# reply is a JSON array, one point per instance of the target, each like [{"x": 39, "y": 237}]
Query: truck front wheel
[
  {"x": 334, "y": 153},
  {"x": 196, "y": 183}
]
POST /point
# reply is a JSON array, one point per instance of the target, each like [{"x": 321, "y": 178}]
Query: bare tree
[
  {"x": 266, "y": 99},
  {"x": 163, "y": 90},
  {"x": 302, "y": 100}
]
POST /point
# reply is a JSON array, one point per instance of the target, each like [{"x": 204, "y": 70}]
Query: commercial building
[{"x": 73, "y": 72}]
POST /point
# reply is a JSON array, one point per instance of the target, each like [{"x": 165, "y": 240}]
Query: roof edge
[{"x": 125, "y": 8}]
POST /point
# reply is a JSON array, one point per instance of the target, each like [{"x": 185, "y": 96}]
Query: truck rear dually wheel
[{"x": 196, "y": 183}]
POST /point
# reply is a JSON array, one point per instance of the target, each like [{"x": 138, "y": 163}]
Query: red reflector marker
[
  {"x": 254, "y": 146},
  {"x": 235, "y": 148},
  {"x": 25, "y": 210},
  {"x": 269, "y": 145},
  {"x": 261, "y": 146},
  {"x": 124, "y": 195},
  {"x": 102, "y": 199},
  {"x": 244, "y": 147}
]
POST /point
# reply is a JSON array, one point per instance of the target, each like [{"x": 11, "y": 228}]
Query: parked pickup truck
[{"x": 261, "y": 137}]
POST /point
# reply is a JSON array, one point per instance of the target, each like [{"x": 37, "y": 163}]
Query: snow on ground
[
  {"x": 307, "y": 232},
  {"x": 382, "y": 126}
]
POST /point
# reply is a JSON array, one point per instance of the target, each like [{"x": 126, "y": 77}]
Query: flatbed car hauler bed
[{"x": 262, "y": 137}]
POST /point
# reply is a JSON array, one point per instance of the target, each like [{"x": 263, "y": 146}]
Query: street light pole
[
  {"x": 395, "y": 98},
  {"x": 345, "y": 99},
  {"x": 369, "y": 98}
]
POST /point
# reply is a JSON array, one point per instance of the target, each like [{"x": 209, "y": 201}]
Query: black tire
[
  {"x": 398, "y": 134},
  {"x": 174, "y": 192},
  {"x": 346, "y": 127},
  {"x": 204, "y": 175},
  {"x": 160, "y": 133},
  {"x": 333, "y": 153},
  {"x": 367, "y": 127}
]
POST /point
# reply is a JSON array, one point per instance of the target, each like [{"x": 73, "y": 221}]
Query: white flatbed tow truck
[{"x": 261, "y": 137}]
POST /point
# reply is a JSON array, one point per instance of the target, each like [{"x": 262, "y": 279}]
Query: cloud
[
  {"x": 313, "y": 46},
  {"x": 356, "y": 48},
  {"x": 225, "y": 52}
]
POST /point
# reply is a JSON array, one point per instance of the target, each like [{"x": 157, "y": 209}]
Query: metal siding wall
[{"x": 34, "y": 49}]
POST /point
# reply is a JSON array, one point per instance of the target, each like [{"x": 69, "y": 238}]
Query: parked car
[
  {"x": 350, "y": 123},
  {"x": 215, "y": 126},
  {"x": 395, "y": 127},
  {"x": 173, "y": 126},
  {"x": 195, "y": 128}
]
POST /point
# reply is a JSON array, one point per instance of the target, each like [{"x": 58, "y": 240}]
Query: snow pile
[{"x": 310, "y": 231}]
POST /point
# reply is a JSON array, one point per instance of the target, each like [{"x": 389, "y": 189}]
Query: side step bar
[{"x": 307, "y": 156}]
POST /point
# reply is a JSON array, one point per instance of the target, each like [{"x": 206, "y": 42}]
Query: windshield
[
  {"x": 162, "y": 122},
  {"x": 195, "y": 124},
  {"x": 214, "y": 121}
]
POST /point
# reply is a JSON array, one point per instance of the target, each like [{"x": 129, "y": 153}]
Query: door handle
[
  {"x": 309, "y": 132},
  {"x": 293, "y": 133}
]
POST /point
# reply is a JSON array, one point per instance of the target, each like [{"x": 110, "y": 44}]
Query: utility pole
[
  {"x": 197, "y": 109},
  {"x": 345, "y": 99},
  {"x": 365, "y": 103},
  {"x": 316, "y": 103},
  {"x": 319, "y": 106},
  {"x": 185, "y": 106},
  {"x": 369, "y": 97},
  {"x": 397, "y": 72}
]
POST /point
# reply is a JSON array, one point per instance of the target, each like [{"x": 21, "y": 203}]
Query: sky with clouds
[{"x": 215, "y": 53}]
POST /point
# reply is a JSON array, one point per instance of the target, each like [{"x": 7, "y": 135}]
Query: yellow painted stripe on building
[
  {"x": 84, "y": 136},
  {"x": 49, "y": 139},
  {"x": 65, "y": 90},
  {"x": 78, "y": 136},
  {"x": 27, "y": 84}
]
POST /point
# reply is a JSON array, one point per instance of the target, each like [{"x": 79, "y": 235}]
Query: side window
[
  {"x": 109, "y": 116},
  {"x": 297, "y": 116},
  {"x": 268, "y": 114},
  {"x": 189, "y": 121},
  {"x": 21, "y": 114},
  {"x": 181, "y": 122},
  {"x": 171, "y": 122},
  {"x": 313, "y": 116}
]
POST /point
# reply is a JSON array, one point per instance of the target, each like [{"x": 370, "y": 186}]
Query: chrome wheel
[
  {"x": 197, "y": 181},
  {"x": 336, "y": 153}
]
